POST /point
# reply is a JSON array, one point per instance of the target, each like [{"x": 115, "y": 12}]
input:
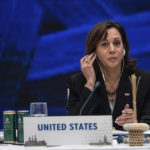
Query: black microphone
[{"x": 97, "y": 84}]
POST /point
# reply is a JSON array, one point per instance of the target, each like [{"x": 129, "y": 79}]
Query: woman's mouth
[{"x": 112, "y": 58}]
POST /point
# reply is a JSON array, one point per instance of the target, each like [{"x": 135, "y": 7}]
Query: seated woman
[{"x": 106, "y": 68}]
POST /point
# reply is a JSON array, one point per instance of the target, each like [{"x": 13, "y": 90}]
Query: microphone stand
[{"x": 97, "y": 84}]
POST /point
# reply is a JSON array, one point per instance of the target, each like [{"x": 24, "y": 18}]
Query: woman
[{"x": 107, "y": 61}]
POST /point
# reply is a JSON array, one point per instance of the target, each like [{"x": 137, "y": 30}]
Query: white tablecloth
[{"x": 115, "y": 146}]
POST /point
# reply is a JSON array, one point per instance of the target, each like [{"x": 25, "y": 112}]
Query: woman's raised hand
[
  {"x": 126, "y": 117},
  {"x": 88, "y": 70}
]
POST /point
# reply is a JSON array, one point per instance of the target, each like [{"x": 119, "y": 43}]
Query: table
[{"x": 114, "y": 146}]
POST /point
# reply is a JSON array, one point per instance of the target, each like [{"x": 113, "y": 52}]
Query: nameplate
[{"x": 68, "y": 130}]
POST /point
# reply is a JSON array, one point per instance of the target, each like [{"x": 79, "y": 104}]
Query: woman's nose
[{"x": 111, "y": 48}]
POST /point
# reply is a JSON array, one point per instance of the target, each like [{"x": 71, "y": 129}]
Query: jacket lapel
[{"x": 124, "y": 95}]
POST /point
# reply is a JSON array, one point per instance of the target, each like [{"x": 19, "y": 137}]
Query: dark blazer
[{"x": 98, "y": 103}]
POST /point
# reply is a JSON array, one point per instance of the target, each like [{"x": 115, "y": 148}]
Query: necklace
[
  {"x": 114, "y": 92},
  {"x": 111, "y": 93}
]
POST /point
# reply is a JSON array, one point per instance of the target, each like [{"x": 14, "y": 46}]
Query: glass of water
[{"x": 38, "y": 109}]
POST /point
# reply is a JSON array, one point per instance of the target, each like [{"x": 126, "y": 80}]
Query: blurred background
[{"x": 42, "y": 42}]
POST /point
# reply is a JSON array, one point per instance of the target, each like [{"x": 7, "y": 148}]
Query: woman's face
[{"x": 110, "y": 50}]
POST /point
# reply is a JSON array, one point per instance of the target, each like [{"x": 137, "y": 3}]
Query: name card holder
[{"x": 68, "y": 130}]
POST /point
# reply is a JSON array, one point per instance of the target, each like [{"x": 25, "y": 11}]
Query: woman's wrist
[{"x": 89, "y": 85}]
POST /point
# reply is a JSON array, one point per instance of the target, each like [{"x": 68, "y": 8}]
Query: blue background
[{"x": 42, "y": 42}]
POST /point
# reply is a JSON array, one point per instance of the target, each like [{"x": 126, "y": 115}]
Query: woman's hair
[{"x": 99, "y": 32}]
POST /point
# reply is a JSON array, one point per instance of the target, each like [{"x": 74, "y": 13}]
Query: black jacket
[{"x": 98, "y": 103}]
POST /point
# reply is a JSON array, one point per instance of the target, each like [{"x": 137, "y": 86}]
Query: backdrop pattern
[{"x": 42, "y": 41}]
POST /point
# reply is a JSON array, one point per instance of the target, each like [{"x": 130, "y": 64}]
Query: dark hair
[{"x": 99, "y": 32}]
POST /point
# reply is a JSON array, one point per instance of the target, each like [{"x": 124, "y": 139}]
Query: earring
[{"x": 124, "y": 52}]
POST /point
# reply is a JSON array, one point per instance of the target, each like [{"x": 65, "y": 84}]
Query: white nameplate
[{"x": 68, "y": 130}]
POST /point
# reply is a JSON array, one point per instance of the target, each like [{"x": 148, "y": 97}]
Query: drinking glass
[{"x": 38, "y": 109}]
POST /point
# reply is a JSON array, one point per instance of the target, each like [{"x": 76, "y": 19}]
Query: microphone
[{"x": 97, "y": 84}]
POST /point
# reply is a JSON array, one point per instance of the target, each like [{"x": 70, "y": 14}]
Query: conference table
[{"x": 114, "y": 146}]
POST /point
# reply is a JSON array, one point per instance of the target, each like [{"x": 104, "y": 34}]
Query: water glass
[{"x": 38, "y": 109}]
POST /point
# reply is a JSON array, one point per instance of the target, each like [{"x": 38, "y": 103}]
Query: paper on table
[
  {"x": 120, "y": 132},
  {"x": 147, "y": 132}
]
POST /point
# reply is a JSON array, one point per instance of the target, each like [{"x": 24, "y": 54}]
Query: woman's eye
[
  {"x": 104, "y": 44},
  {"x": 117, "y": 43}
]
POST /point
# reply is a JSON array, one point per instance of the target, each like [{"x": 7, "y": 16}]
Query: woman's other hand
[
  {"x": 126, "y": 117},
  {"x": 88, "y": 70}
]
